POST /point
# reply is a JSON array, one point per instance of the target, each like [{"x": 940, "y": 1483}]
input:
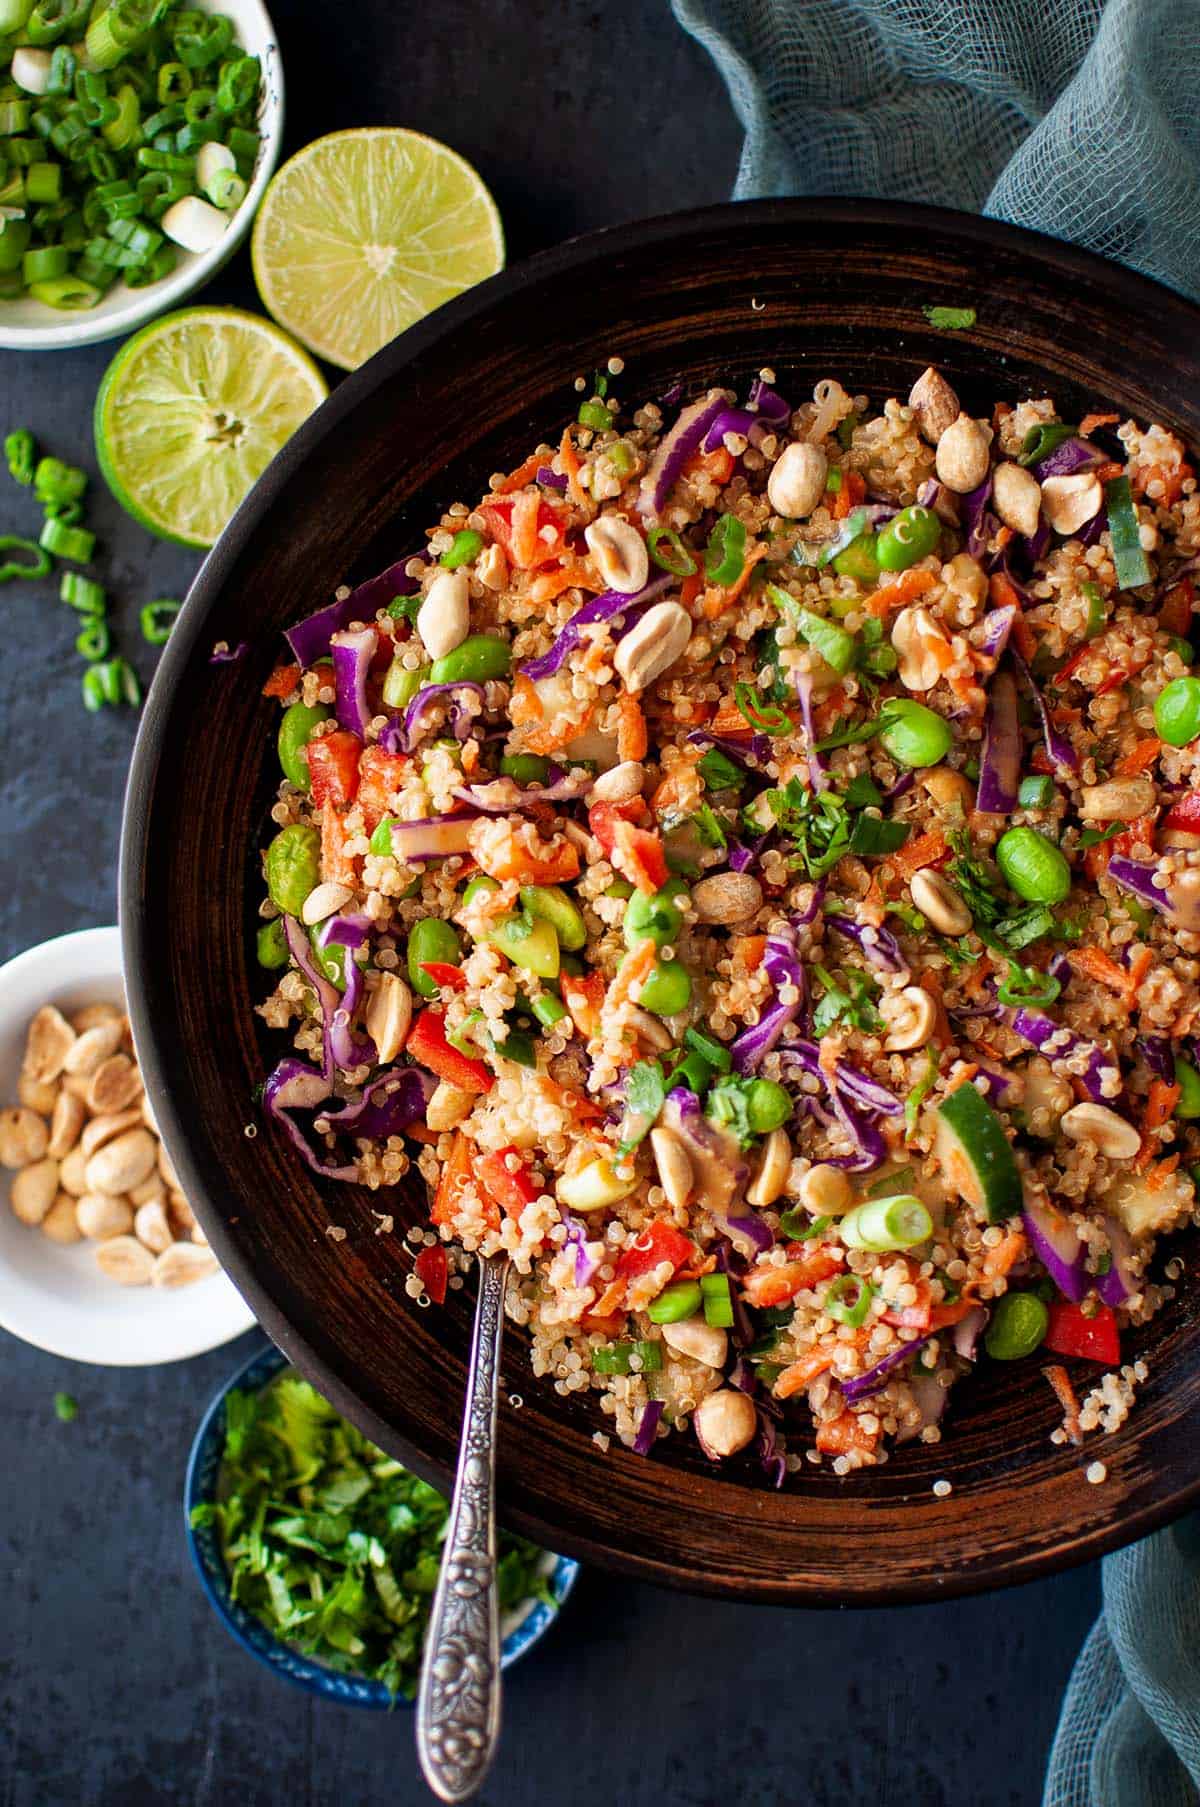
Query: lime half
[
  {"x": 192, "y": 410},
  {"x": 364, "y": 232}
]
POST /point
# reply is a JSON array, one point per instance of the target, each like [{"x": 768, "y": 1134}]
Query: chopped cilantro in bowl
[{"x": 321, "y": 1552}]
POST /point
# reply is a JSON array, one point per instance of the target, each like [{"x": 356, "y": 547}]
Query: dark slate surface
[{"x": 117, "y": 1687}]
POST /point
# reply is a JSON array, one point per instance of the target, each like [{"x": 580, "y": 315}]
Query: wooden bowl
[{"x": 810, "y": 289}]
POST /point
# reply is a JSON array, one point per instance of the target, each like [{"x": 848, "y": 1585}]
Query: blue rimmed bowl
[{"x": 520, "y": 1629}]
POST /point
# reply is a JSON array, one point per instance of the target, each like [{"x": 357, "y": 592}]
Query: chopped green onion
[
  {"x": 797, "y": 1226},
  {"x": 594, "y": 415},
  {"x": 82, "y": 593},
  {"x": 886, "y": 1187},
  {"x": 75, "y": 543},
  {"x": 950, "y": 319},
  {"x": 1036, "y": 792},
  {"x": 848, "y": 1300},
  {"x": 227, "y": 190},
  {"x": 66, "y": 1408},
  {"x": 67, "y": 292},
  {"x": 109, "y": 684},
  {"x": 54, "y": 481},
  {"x": 669, "y": 552},
  {"x": 93, "y": 641},
  {"x": 770, "y": 719},
  {"x": 725, "y": 554},
  {"x": 158, "y": 618},
  {"x": 1043, "y": 439},
  {"x": 883, "y": 1224},
  {"x": 919, "y": 1093},
  {"x": 548, "y": 1009},
  {"x": 680, "y": 1300},
  {"x": 717, "y": 1300},
  {"x": 714, "y": 1052},
  {"x": 19, "y": 450},
  {"x": 38, "y": 567},
  {"x": 1132, "y": 566}
]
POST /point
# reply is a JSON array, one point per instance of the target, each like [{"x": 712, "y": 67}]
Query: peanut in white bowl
[
  {"x": 56, "y": 1297},
  {"x": 29, "y": 325}
]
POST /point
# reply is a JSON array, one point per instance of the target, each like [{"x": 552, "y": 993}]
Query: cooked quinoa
[{"x": 748, "y": 864}]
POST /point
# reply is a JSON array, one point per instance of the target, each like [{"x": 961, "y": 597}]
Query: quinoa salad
[{"x": 747, "y": 865}]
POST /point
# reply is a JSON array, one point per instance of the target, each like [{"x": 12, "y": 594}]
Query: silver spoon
[{"x": 458, "y": 1706}]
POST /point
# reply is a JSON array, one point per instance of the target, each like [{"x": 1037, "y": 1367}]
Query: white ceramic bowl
[
  {"x": 28, "y": 325},
  {"x": 56, "y": 1297}
]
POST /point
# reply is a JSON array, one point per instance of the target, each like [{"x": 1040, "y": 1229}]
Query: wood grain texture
[{"x": 812, "y": 289}]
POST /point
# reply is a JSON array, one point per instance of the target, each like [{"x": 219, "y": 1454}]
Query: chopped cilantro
[
  {"x": 645, "y": 1095},
  {"x": 950, "y": 319},
  {"x": 921, "y": 1091},
  {"x": 816, "y": 822},
  {"x": 405, "y": 608},
  {"x": 849, "y": 737},
  {"x": 330, "y": 1543},
  {"x": 975, "y": 882},
  {"x": 862, "y": 791},
  {"x": 1095, "y": 837},
  {"x": 719, "y": 771},
  {"x": 708, "y": 827},
  {"x": 872, "y": 836},
  {"x": 850, "y": 1002}
]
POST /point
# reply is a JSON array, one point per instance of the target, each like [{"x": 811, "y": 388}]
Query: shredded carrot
[
  {"x": 282, "y": 681},
  {"x": 1171, "y": 479},
  {"x": 337, "y": 866},
  {"x": 574, "y": 575},
  {"x": 523, "y": 855},
  {"x": 1090, "y": 422},
  {"x": 690, "y": 588},
  {"x": 636, "y": 966},
  {"x": 729, "y": 721},
  {"x": 795, "y": 1378},
  {"x": 852, "y": 492},
  {"x": 524, "y": 473},
  {"x": 457, "y": 1174},
  {"x": 898, "y": 595},
  {"x": 752, "y": 949},
  {"x": 716, "y": 601},
  {"x": 1004, "y": 1257},
  {"x": 555, "y": 735},
  {"x": 1160, "y": 1105},
  {"x": 1093, "y": 963},
  {"x": 1060, "y": 1380},
  {"x": 929, "y": 849},
  {"x": 1004, "y": 536},
  {"x": 841, "y": 1436},
  {"x": 1139, "y": 758},
  {"x": 1022, "y": 637},
  {"x": 717, "y": 464},
  {"x": 525, "y": 705},
  {"x": 1175, "y": 615},
  {"x": 470, "y": 756},
  {"x": 524, "y": 529},
  {"x": 611, "y": 1299},
  {"x": 584, "y": 998},
  {"x": 1160, "y": 1174},
  {"x": 1107, "y": 471},
  {"x": 966, "y": 1073},
  {"x": 932, "y": 986},
  {"x": 632, "y": 737},
  {"x": 569, "y": 459}
]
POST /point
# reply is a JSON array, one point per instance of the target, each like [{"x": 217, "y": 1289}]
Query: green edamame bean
[
  {"x": 1177, "y": 712},
  {"x": 552, "y": 904},
  {"x": 525, "y": 768},
  {"x": 768, "y": 1106},
  {"x": 1019, "y": 1324},
  {"x": 548, "y": 1009},
  {"x": 400, "y": 685},
  {"x": 480, "y": 657},
  {"x": 465, "y": 547},
  {"x": 1188, "y": 1081},
  {"x": 430, "y": 939},
  {"x": 529, "y": 942},
  {"x": 858, "y": 560},
  {"x": 295, "y": 732},
  {"x": 380, "y": 843},
  {"x": 481, "y": 882},
  {"x": 668, "y": 988},
  {"x": 1035, "y": 868},
  {"x": 271, "y": 944},
  {"x": 657, "y": 918},
  {"x": 913, "y": 734},
  {"x": 330, "y": 959},
  {"x": 293, "y": 866},
  {"x": 910, "y": 535}
]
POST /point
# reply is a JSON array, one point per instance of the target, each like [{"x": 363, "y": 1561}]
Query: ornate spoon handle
[{"x": 458, "y": 1706}]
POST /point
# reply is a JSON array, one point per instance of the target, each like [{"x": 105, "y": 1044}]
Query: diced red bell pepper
[
  {"x": 660, "y": 1241},
  {"x": 1185, "y": 814},
  {"x": 282, "y": 681},
  {"x": 337, "y": 866},
  {"x": 453, "y": 978},
  {"x": 551, "y": 533},
  {"x": 1093, "y": 1339},
  {"x": 512, "y": 1189},
  {"x": 379, "y": 774},
  {"x": 766, "y": 1286},
  {"x": 333, "y": 767},
  {"x": 458, "y": 1172},
  {"x": 433, "y": 1271},
  {"x": 428, "y": 1046}
]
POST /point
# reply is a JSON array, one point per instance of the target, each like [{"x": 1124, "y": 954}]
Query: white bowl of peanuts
[{"x": 99, "y": 1256}]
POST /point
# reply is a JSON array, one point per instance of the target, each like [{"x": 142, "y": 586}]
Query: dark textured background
[{"x": 117, "y": 1686}]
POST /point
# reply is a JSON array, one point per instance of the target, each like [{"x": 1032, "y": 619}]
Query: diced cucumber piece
[{"x": 975, "y": 1154}]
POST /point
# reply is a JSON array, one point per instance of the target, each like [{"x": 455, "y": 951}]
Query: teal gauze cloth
[
  {"x": 1075, "y": 117},
  {"x": 1080, "y": 119}
]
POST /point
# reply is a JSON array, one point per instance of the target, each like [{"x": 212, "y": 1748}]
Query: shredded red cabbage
[
  {"x": 229, "y": 654},
  {"x": 389, "y": 1105},
  {"x": 676, "y": 447},
  {"x": 607, "y": 607},
  {"x": 1119, "y": 1282},
  {"x": 801, "y": 919},
  {"x": 295, "y": 1086},
  {"x": 413, "y": 729},
  {"x": 551, "y": 479},
  {"x": 980, "y": 521},
  {"x": 1057, "y": 1246},
  {"x": 1138, "y": 876},
  {"x": 643, "y": 1443},
  {"x": 352, "y": 655},
  {"x": 818, "y": 777},
  {"x": 730, "y": 420},
  {"x": 876, "y": 1378},
  {"x": 996, "y": 627},
  {"x": 309, "y": 639},
  {"x": 1037, "y": 1030},
  {"x": 1156, "y": 1051},
  {"x": 968, "y": 1330},
  {"x": 1000, "y": 759},
  {"x": 879, "y": 945},
  {"x": 768, "y": 404},
  {"x": 586, "y": 1265},
  {"x": 782, "y": 966},
  {"x": 716, "y": 1159},
  {"x": 505, "y": 797},
  {"x": 1061, "y": 752},
  {"x": 751, "y": 754},
  {"x": 1068, "y": 457}
]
